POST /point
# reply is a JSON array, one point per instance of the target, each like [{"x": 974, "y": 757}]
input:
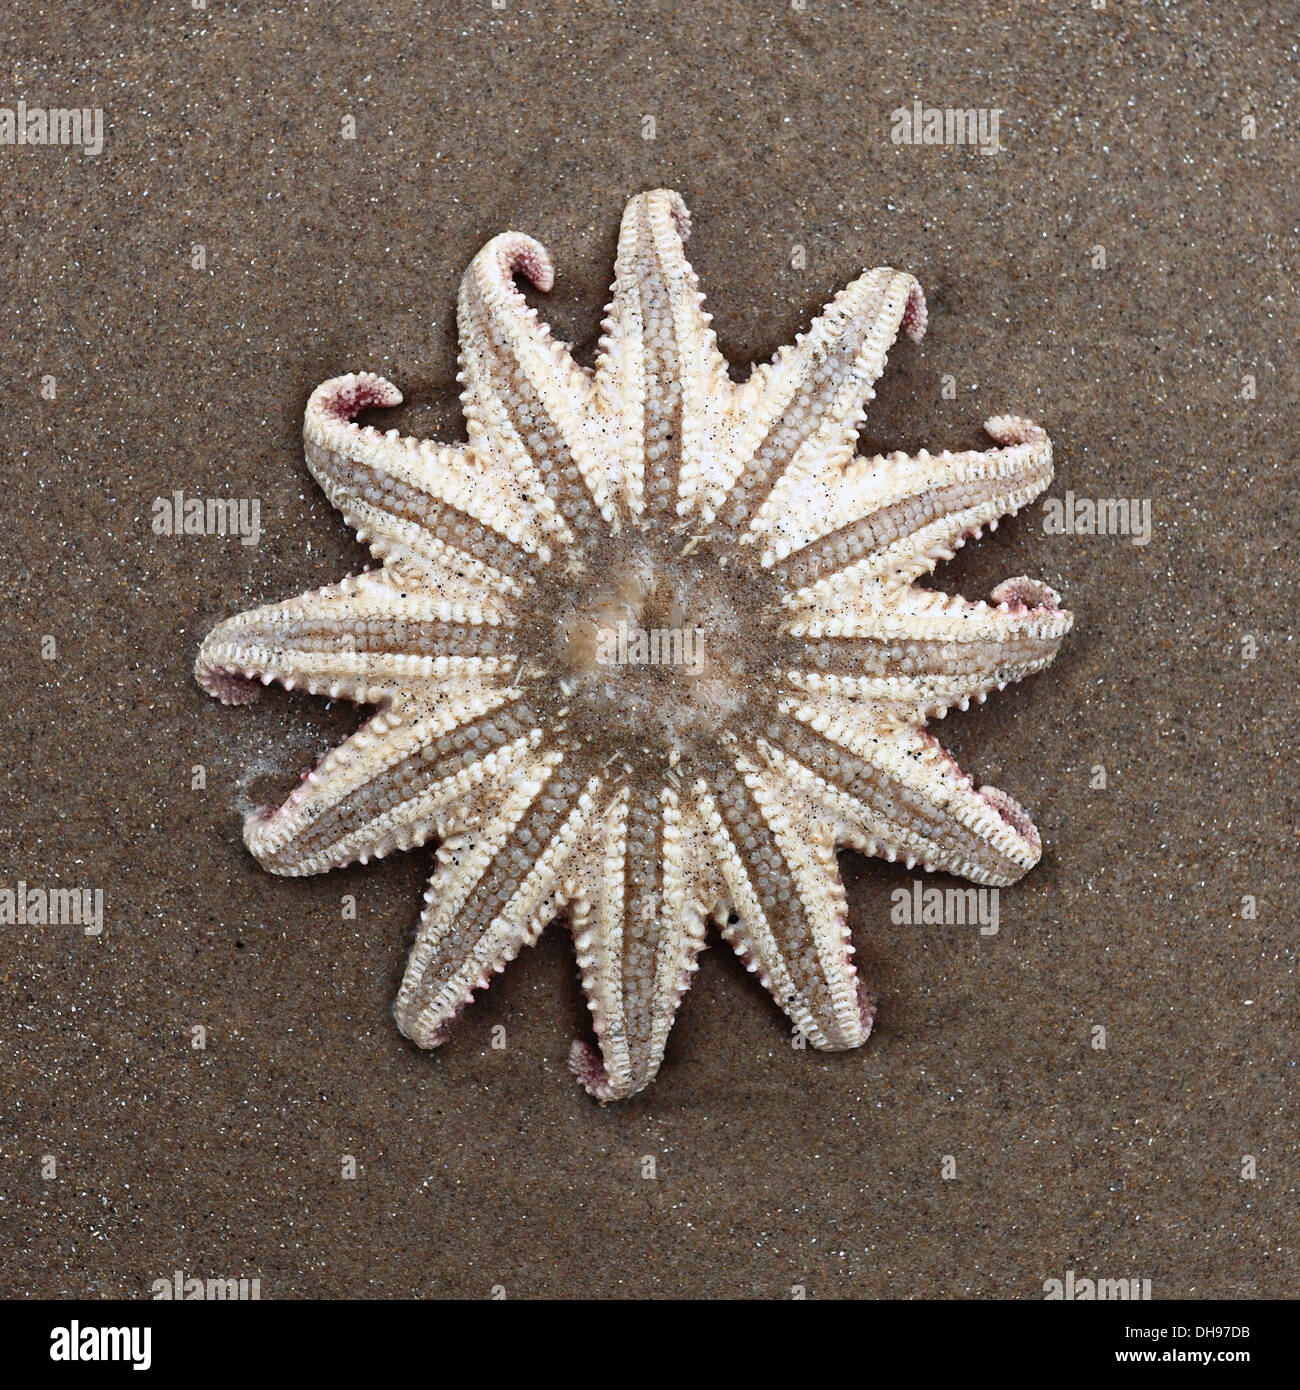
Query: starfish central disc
[{"x": 651, "y": 645}]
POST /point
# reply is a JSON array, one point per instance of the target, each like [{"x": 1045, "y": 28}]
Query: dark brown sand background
[{"x": 774, "y": 1168}]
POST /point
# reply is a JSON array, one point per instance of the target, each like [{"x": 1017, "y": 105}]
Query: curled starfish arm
[
  {"x": 363, "y": 639},
  {"x": 898, "y": 516},
  {"x": 660, "y": 374},
  {"x": 926, "y": 651},
  {"x": 460, "y": 514},
  {"x": 495, "y": 888},
  {"x": 643, "y": 891},
  {"x": 789, "y": 920},
  {"x": 527, "y": 403},
  {"x": 800, "y": 413},
  {"x": 402, "y": 779},
  {"x": 900, "y": 795}
]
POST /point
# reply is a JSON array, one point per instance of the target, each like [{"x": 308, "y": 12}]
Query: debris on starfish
[{"x": 648, "y": 649}]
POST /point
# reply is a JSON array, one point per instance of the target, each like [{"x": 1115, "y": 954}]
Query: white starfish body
[{"x": 526, "y": 636}]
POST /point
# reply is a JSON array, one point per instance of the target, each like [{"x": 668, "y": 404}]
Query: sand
[{"x": 228, "y": 249}]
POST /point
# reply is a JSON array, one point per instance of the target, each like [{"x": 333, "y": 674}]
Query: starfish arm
[
  {"x": 898, "y": 794},
  {"x": 495, "y": 890},
  {"x": 638, "y": 926},
  {"x": 459, "y": 514},
  {"x": 927, "y": 651},
  {"x": 527, "y": 403},
  {"x": 802, "y": 410},
  {"x": 790, "y": 921},
  {"x": 660, "y": 374},
  {"x": 402, "y": 779},
  {"x": 363, "y": 639},
  {"x": 897, "y": 516}
]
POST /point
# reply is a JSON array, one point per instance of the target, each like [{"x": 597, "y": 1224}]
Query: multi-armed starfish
[{"x": 648, "y": 649}]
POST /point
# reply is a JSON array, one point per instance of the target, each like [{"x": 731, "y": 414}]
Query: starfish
[{"x": 648, "y": 649}]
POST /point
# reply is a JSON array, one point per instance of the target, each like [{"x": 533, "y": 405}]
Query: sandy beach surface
[{"x": 1106, "y": 1085}]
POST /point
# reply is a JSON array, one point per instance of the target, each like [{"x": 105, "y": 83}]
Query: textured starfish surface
[{"x": 648, "y": 649}]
